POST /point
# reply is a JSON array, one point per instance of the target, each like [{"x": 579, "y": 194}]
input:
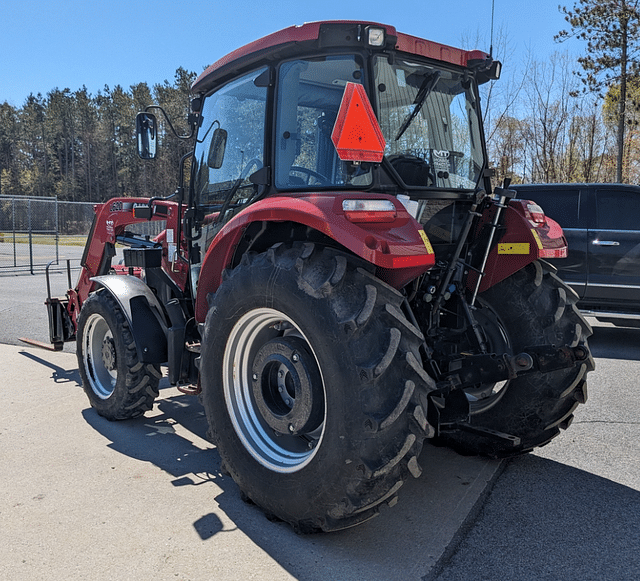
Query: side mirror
[
  {"x": 147, "y": 132},
  {"x": 216, "y": 149}
]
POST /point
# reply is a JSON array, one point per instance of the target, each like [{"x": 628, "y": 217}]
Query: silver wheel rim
[
  {"x": 277, "y": 451},
  {"x": 98, "y": 354}
]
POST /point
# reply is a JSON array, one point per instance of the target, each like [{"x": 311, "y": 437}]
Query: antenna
[{"x": 493, "y": 4}]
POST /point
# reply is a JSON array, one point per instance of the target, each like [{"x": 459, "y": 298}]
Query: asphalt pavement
[
  {"x": 84, "y": 498},
  {"x": 569, "y": 510}
]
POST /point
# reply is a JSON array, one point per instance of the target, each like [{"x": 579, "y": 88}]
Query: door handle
[{"x": 605, "y": 243}]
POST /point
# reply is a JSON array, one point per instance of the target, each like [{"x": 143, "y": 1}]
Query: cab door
[{"x": 614, "y": 248}]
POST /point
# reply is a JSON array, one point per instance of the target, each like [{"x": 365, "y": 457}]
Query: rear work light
[
  {"x": 369, "y": 210},
  {"x": 535, "y": 214},
  {"x": 375, "y": 36}
]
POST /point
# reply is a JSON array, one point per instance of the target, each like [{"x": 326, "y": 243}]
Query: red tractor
[{"x": 336, "y": 276}]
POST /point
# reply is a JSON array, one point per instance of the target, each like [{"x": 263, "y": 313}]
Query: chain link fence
[{"x": 37, "y": 231}]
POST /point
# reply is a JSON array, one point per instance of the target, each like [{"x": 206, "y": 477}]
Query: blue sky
[{"x": 62, "y": 44}]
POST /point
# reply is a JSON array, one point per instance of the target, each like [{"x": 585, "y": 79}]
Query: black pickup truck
[{"x": 602, "y": 225}]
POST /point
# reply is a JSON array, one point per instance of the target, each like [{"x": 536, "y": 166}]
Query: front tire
[
  {"x": 312, "y": 386},
  {"x": 532, "y": 307},
  {"x": 119, "y": 386}
]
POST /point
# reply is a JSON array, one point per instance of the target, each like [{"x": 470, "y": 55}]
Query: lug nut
[
  {"x": 295, "y": 357},
  {"x": 255, "y": 377}
]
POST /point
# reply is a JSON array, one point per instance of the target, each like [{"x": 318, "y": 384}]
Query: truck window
[
  {"x": 618, "y": 210},
  {"x": 563, "y": 207}
]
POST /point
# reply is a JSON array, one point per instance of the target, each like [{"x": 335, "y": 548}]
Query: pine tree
[{"x": 610, "y": 28}]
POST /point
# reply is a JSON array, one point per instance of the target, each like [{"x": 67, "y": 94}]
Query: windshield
[{"x": 429, "y": 119}]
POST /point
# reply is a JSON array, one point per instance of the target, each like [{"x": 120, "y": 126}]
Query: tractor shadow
[
  {"x": 153, "y": 438},
  {"x": 461, "y": 509},
  {"x": 547, "y": 520},
  {"x": 174, "y": 438},
  {"x": 59, "y": 374}
]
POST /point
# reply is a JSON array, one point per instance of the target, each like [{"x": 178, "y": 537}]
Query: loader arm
[{"x": 110, "y": 227}]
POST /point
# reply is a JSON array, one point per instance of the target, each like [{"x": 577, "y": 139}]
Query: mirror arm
[{"x": 193, "y": 120}]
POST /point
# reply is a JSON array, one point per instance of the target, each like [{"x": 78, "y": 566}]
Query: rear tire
[
  {"x": 119, "y": 386},
  {"x": 532, "y": 307},
  {"x": 312, "y": 386}
]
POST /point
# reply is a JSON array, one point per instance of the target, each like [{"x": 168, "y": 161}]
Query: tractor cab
[{"x": 271, "y": 116}]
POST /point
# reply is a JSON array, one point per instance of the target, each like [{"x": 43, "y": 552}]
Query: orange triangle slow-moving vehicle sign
[{"x": 356, "y": 134}]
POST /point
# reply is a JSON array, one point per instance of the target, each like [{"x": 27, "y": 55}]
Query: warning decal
[
  {"x": 514, "y": 248},
  {"x": 425, "y": 239},
  {"x": 538, "y": 241}
]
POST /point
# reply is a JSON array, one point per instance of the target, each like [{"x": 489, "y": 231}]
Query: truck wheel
[
  {"x": 312, "y": 386},
  {"x": 532, "y": 307},
  {"x": 118, "y": 384}
]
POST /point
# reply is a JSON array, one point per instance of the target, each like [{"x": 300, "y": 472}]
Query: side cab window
[
  {"x": 563, "y": 207},
  {"x": 230, "y": 145}
]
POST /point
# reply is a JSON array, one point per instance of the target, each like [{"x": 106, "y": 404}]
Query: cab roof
[{"x": 288, "y": 42}]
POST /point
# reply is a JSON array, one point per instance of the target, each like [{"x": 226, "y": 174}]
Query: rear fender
[
  {"x": 399, "y": 249},
  {"x": 143, "y": 313},
  {"x": 522, "y": 243}
]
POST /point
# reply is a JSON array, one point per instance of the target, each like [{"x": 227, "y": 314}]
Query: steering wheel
[{"x": 310, "y": 174}]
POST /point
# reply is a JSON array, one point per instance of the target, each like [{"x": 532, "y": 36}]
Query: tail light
[
  {"x": 553, "y": 252},
  {"x": 369, "y": 210},
  {"x": 535, "y": 214}
]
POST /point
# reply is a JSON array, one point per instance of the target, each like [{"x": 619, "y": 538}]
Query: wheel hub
[
  {"x": 287, "y": 386},
  {"x": 109, "y": 353}
]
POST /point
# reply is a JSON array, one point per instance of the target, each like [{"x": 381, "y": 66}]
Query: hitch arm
[
  {"x": 448, "y": 406},
  {"x": 490, "y": 368}
]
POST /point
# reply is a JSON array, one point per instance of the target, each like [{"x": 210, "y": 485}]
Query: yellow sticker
[
  {"x": 514, "y": 248},
  {"x": 425, "y": 239},
  {"x": 538, "y": 241}
]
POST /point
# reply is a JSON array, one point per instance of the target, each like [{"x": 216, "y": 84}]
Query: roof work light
[{"x": 375, "y": 36}]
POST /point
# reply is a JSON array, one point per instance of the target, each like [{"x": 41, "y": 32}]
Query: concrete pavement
[{"x": 84, "y": 498}]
